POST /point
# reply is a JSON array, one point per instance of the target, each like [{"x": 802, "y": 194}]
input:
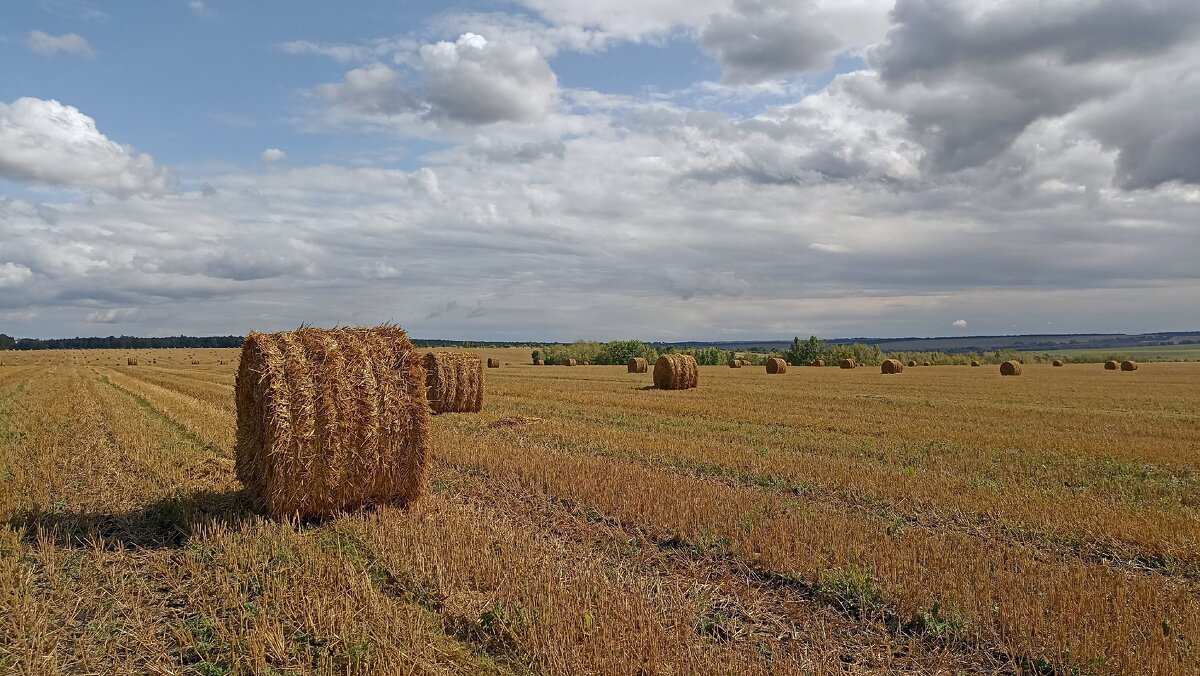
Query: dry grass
[
  {"x": 600, "y": 528},
  {"x": 331, "y": 419}
]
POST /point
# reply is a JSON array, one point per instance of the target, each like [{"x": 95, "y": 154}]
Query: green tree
[
  {"x": 7, "y": 342},
  {"x": 621, "y": 351},
  {"x": 802, "y": 352}
]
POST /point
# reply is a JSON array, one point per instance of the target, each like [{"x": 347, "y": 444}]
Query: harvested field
[{"x": 1047, "y": 523}]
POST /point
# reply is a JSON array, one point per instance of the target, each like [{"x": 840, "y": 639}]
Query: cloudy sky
[{"x": 560, "y": 169}]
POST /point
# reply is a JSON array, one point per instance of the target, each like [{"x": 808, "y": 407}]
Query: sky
[{"x": 566, "y": 169}]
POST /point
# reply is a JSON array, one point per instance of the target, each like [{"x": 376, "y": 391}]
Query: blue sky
[{"x": 666, "y": 170}]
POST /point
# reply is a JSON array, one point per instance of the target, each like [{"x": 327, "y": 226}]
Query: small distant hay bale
[
  {"x": 735, "y": 363},
  {"x": 847, "y": 364},
  {"x": 132, "y": 361},
  {"x": 329, "y": 420},
  {"x": 1111, "y": 365},
  {"x": 570, "y": 362},
  {"x": 587, "y": 363},
  {"x": 974, "y": 363},
  {"x": 1129, "y": 365},
  {"x": 891, "y": 366},
  {"x": 676, "y": 372},
  {"x": 493, "y": 363},
  {"x": 1011, "y": 367},
  {"x": 195, "y": 362},
  {"x": 912, "y": 363},
  {"x": 776, "y": 365},
  {"x": 817, "y": 362},
  {"x": 926, "y": 363},
  {"x": 637, "y": 365},
  {"x": 453, "y": 382},
  {"x": 539, "y": 362},
  {"x": 1056, "y": 362}
]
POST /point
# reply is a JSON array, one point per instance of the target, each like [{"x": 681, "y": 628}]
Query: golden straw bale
[
  {"x": 1129, "y": 365},
  {"x": 912, "y": 362},
  {"x": 454, "y": 382},
  {"x": 539, "y": 362},
  {"x": 974, "y": 363},
  {"x": 891, "y": 366},
  {"x": 637, "y": 365},
  {"x": 847, "y": 364},
  {"x": 1056, "y": 362},
  {"x": 676, "y": 372},
  {"x": 1011, "y": 367},
  {"x": 817, "y": 362},
  {"x": 570, "y": 362},
  {"x": 776, "y": 365},
  {"x": 1111, "y": 365},
  {"x": 926, "y": 363},
  {"x": 331, "y": 419},
  {"x": 735, "y": 363},
  {"x": 493, "y": 363},
  {"x": 131, "y": 361}
]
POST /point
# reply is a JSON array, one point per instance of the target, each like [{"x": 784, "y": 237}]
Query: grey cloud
[{"x": 763, "y": 39}]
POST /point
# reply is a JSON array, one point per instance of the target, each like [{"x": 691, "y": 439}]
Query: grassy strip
[{"x": 165, "y": 419}]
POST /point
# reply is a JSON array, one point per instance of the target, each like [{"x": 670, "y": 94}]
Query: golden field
[{"x": 943, "y": 520}]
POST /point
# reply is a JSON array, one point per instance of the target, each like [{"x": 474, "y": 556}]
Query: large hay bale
[
  {"x": 1129, "y": 365},
  {"x": 1011, "y": 367},
  {"x": 735, "y": 363},
  {"x": 817, "y": 362},
  {"x": 1056, "y": 362},
  {"x": 454, "y": 382},
  {"x": 1111, "y": 365},
  {"x": 131, "y": 361},
  {"x": 331, "y": 419},
  {"x": 676, "y": 372},
  {"x": 570, "y": 362},
  {"x": 637, "y": 365},
  {"x": 891, "y": 366},
  {"x": 847, "y": 363},
  {"x": 776, "y": 365},
  {"x": 912, "y": 363},
  {"x": 493, "y": 363}
]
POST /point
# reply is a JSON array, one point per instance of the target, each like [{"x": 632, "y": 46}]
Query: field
[
  {"x": 1150, "y": 353},
  {"x": 944, "y": 520}
]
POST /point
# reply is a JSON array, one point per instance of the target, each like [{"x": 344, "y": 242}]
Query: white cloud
[
  {"x": 112, "y": 316},
  {"x": 764, "y": 39},
  {"x": 272, "y": 155},
  {"x": 198, "y": 7},
  {"x": 959, "y": 323},
  {"x": 470, "y": 81},
  {"x": 43, "y": 141},
  {"x": 51, "y": 45},
  {"x": 12, "y": 274},
  {"x": 830, "y": 248}
]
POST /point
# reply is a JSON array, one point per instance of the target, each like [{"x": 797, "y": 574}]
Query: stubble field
[{"x": 943, "y": 520}]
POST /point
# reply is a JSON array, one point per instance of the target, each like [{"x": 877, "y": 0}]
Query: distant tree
[
  {"x": 7, "y": 342},
  {"x": 803, "y": 352},
  {"x": 621, "y": 351},
  {"x": 536, "y": 356}
]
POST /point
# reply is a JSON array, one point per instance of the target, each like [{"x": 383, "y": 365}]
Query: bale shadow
[
  {"x": 166, "y": 524},
  {"x": 648, "y": 387}
]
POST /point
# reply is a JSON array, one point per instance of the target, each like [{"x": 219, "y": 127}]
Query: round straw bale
[
  {"x": 1011, "y": 367},
  {"x": 132, "y": 361},
  {"x": 1056, "y": 362},
  {"x": 570, "y": 362},
  {"x": 454, "y": 382},
  {"x": 493, "y": 363},
  {"x": 847, "y": 363},
  {"x": 776, "y": 365},
  {"x": 637, "y": 365},
  {"x": 926, "y": 363},
  {"x": 817, "y": 362},
  {"x": 891, "y": 366},
  {"x": 974, "y": 363},
  {"x": 1129, "y": 365},
  {"x": 331, "y": 419},
  {"x": 539, "y": 362},
  {"x": 735, "y": 363},
  {"x": 676, "y": 372},
  {"x": 912, "y": 363},
  {"x": 1111, "y": 365}
]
